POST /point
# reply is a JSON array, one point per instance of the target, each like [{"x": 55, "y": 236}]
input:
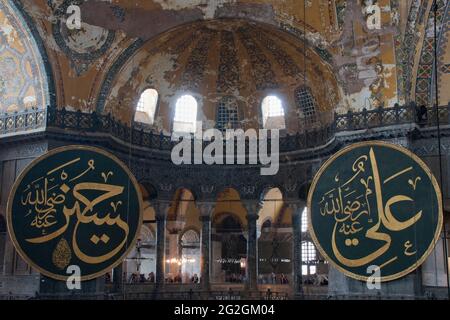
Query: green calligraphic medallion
[
  {"x": 75, "y": 206},
  {"x": 375, "y": 204}
]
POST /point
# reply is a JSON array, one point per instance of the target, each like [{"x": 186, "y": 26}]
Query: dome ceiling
[
  {"x": 220, "y": 58},
  {"x": 374, "y": 67}
]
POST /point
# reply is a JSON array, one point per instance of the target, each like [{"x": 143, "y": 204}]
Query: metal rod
[{"x": 436, "y": 93}]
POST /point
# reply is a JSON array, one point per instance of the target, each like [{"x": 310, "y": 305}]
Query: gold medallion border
[
  {"x": 427, "y": 170},
  {"x": 32, "y": 165}
]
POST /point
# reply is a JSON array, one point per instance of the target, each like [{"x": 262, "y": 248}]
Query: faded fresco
[
  {"x": 23, "y": 84},
  {"x": 361, "y": 53}
]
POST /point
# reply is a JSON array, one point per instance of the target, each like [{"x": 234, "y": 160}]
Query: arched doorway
[
  {"x": 140, "y": 265},
  {"x": 275, "y": 240},
  {"x": 229, "y": 249},
  {"x": 182, "y": 259},
  {"x": 190, "y": 256},
  {"x": 314, "y": 267}
]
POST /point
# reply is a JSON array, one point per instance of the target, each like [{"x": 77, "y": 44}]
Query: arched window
[
  {"x": 273, "y": 113},
  {"x": 185, "y": 120},
  {"x": 309, "y": 257},
  {"x": 141, "y": 261},
  {"x": 227, "y": 114},
  {"x": 266, "y": 225},
  {"x": 305, "y": 102},
  {"x": 304, "y": 220},
  {"x": 190, "y": 255},
  {"x": 229, "y": 249},
  {"x": 146, "y": 107}
]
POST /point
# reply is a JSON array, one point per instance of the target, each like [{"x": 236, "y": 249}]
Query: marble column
[
  {"x": 206, "y": 210},
  {"x": 161, "y": 208},
  {"x": 252, "y": 244},
  {"x": 297, "y": 211}
]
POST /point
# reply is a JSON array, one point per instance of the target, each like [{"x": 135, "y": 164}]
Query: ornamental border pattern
[
  {"x": 79, "y": 60},
  {"x": 112, "y": 72},
  {"x": 31, "y": 26},
  {"x": 424, "y": 77}
]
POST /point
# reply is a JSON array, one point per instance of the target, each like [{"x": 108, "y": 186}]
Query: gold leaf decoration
[{"x": 62, "y": 254}]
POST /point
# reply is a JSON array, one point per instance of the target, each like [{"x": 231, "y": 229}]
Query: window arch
[
  {"x": 146, "y": 107},
  {"x": 266, "y": 224},
  {"x": 273, "y": 113},
  {"x": 227, "y": 114},
  {"x": 190, "y": 255},
  {"x": 141, "y": 261},
  {"x": 190, "y": 238},
  {"x": 309, "y": 258},
  {"x": 305, "y": 102},
  {"x": 185, "y": 119},
  {"x": 304, "y": 220}
]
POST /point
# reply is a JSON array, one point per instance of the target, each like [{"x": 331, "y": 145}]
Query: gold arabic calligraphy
[
  {"x": 349, "y": 207},
  {"x": 46, "y": 197}
]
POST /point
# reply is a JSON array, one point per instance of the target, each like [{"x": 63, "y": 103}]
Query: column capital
[
  {"x": 161, "y": 209},
  {"x": 252, "y": 206},
  {"x": 252, "y": 217},
  {"x": 206, "y": 209},
  {"x": 297, "y": 205},
  {"x": 205, "y": 218}
]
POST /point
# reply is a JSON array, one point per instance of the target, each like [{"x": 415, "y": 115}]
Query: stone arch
[
  {"x": 141, "y": 260},
  {"x": 189, "y": 248},
  {"x": 265, "y": 190},
  {"x": 145, "y": 107},
  {"x": 220, "y": 217},
  {"x": 185, "y": 184},
  {"x": 267, "y": 223},
  {"x": 183, "y": 200},
  {"x": 185, "y": 233},
  {"x": 147, "y": 233},
  {"x": 228, "y": 242},
  {"x": 272, "y": 204},
  {"x": 149, "y": 192},
  {"x": 229, "y": 200}
]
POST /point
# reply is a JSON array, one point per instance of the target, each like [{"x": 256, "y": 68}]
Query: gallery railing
[
  {"x": 382, "y": 117},
  {"x": 25, "y": 120},
  {"x": 144, "y": 137},
  {"x": 91, "y": 122}
]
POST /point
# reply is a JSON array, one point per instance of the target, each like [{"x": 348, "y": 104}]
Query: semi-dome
[{"x": 223, "y": 62}]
